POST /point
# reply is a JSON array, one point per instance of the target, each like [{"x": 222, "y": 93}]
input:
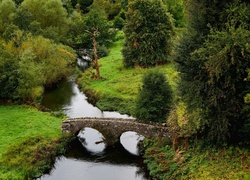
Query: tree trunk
[{"x": 96, "y": 55}]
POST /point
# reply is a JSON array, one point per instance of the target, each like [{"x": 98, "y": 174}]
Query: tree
[
  {"x": 97, "y": 19},
  {"x": 75, "y": 35},
  {"x": 95, "y": 59},
  {"x": 154, "y": 98},
  {"x": 8, "y": 74},
  {"x": 182, "y": 123},
  {"x": 7, "y": 11},
  {"x": 226, "y": 57},
  {"x": 212, "y": 58},
  {"x": 28, "y": 63},
  {"x": 49, "y": 16},
  {"x": 23, "y": 18},
  {"x": 30, "y": 77},
  {"x": 148, "y": 33}
]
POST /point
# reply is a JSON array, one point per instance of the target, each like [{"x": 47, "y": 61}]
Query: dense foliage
[
  {"x": 154, "y": 98},
  {"x": 34, "y": 38},
  {"x": 213, "y": 57},
  {"x": 28, "y": 63},
  {"x": 148, "y": 33},
  {"x": 176, "y": 9}
]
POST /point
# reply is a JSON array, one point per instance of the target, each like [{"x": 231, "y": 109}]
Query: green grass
[
  {"x": 29, "y": 141},
  {"x": 196, "y": 163},
  {"x": 118, "y": 87}
]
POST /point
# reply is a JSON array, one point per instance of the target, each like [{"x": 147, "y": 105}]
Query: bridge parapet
[{"x": 112, "y": 128}]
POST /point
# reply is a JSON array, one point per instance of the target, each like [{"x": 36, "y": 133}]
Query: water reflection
[
  {"x": 67, "y": 97},
  {"x": 68, "y": 169},
  {"x": 113, "y": 164},
  {"x": 129, "y": 140},
  {"x": 92, "y": 140},
  {"x": 87, "y": 159}
]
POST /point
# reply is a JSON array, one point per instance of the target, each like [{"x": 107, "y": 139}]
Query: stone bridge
[{"x": 112, "y": 128}]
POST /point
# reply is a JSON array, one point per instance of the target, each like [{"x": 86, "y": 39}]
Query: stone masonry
[{"x": 112, "y": 128}]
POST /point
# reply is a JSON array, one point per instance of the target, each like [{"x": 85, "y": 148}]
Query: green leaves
[
  {"x": 148, "y": 32},
  {"x": 154, "y": 98},
  {"x": 226, "y": 57},
  {"x": 29, "y": 63},
  {"x": 213, "y": 57}
]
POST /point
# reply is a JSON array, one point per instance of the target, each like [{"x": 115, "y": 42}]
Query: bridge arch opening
[
  {"x": 129, "y": 140},
  {"x": 92, "y": 140}
]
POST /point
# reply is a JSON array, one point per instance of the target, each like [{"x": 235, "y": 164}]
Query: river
[{"x": 87, "y": 159}]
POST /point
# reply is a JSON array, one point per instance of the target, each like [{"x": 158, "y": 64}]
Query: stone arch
[{"x": 112, "y": 128}]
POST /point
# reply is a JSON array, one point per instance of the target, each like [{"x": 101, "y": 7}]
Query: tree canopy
[
  {"x": 213, "y": 58},
  {"x": 148, "y": 33}
]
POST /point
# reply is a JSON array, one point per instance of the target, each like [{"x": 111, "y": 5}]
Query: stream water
[{"x": 86, "y": 159}]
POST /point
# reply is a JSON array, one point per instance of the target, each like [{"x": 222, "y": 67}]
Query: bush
[{"x": 154, "y": 98}]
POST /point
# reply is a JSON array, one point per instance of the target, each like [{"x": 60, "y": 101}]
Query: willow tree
[{"x": 148, "y": 33}]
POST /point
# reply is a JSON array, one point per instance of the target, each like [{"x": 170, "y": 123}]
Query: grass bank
[
  {"x": 29, "y": 142},
  {"x": 118, "y": 87},
  {"x": 197, "y": 163}
]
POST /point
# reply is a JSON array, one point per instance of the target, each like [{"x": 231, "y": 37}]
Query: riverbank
[
  {"x": 117, "y": 91},
  {"x": 29, "y": 142},
  {"x": 198, "y": 162}
]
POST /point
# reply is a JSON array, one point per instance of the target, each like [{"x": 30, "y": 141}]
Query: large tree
[
  {"x": 148, "y": 33},
  {"x": 48, "y": 18},
  {"x": 213, "y": 58}
]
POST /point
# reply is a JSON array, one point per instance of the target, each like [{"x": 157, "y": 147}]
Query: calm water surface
[{"x": 87, "y": 159}]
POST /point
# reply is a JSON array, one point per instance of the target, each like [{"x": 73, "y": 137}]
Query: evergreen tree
[
  {"x": 212, "y": 58},
  {"x": 154, "y": 98},
  {"x": 148, "y": 33}
]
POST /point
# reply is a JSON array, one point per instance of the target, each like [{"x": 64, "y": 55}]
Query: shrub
[{"x": 154, "y": 98}]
